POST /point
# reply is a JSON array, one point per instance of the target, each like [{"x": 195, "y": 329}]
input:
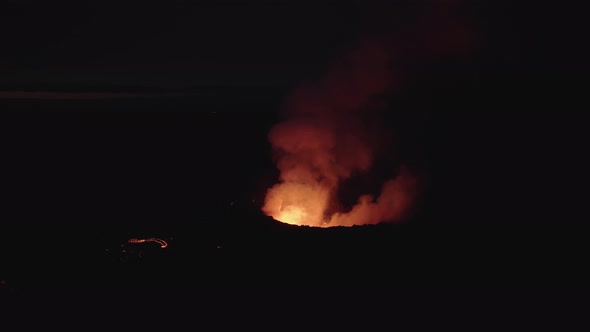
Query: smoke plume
[{"x": 333, "y": 130}]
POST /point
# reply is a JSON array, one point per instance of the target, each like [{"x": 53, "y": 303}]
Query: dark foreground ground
[{"x": 276, "y": 274}]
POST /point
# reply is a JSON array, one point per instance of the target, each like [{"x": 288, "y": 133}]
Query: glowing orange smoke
[
  {"x": 331, "y": 132},
  {"x": 162, "y": 243},
  {"x": 292, "y": 215},
  {"x": 332, "y": 129},
  {"x": 297, "y": 203}
]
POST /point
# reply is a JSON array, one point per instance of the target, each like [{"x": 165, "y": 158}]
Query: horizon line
[{"x": 90, "y": 95}]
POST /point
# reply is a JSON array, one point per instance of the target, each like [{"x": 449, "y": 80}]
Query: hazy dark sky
[
  {"x": 174, "y": 43},
  {"x": 177, "y": 44}
]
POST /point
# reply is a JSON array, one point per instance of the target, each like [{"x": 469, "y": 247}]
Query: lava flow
[{"x": 162, "y": 243}]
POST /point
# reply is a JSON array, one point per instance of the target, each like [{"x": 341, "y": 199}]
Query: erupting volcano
[
  {"x": 332, "y": 132},
  {"x": 336, "y": 130}
]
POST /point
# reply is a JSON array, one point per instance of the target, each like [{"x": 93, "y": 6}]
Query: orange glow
[
  {"x": 297, "y": 204},
  {"x": 162, "y": 243},
  {"x": 302, "y": 205},
  {"x": 292, "y": 215}
]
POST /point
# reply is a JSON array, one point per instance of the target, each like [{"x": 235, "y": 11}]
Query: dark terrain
[{"x": 79, "y": 184}]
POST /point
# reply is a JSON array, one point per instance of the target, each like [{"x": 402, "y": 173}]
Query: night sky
[
  {"x": 173, "y": 45},
  {"x": 128, "y": 117},
  {"x": 183, "y": 44}
]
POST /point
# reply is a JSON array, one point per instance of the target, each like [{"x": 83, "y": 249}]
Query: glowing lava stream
[{"x": 162, "y": 243}]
